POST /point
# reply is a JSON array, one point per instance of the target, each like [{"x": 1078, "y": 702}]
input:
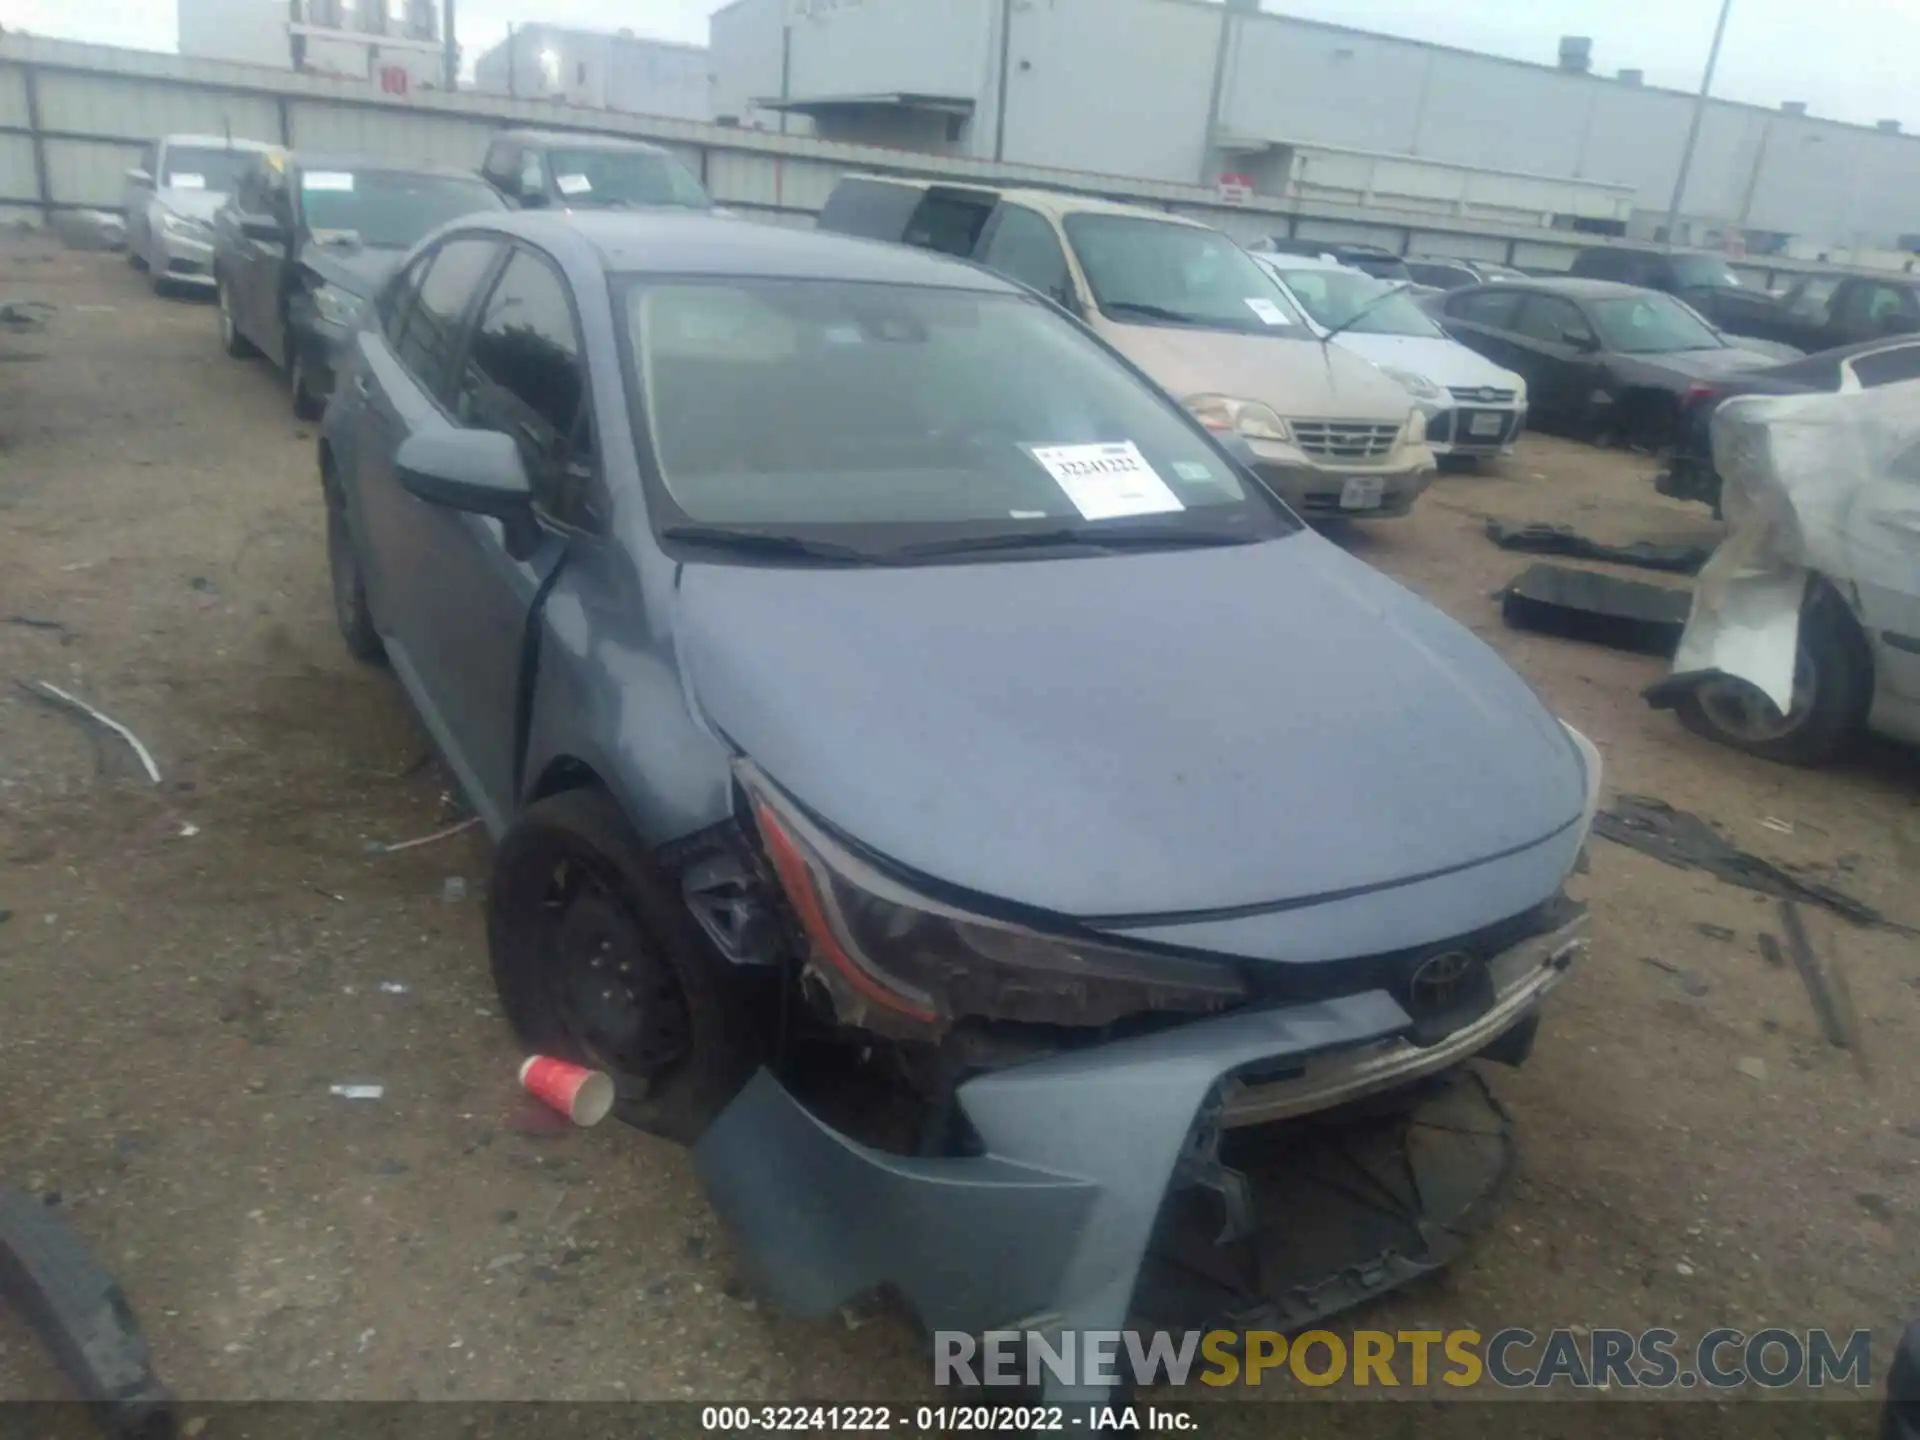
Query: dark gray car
[
  {"x": 932, "y": 774},
  {"x": 306, "y": 238}
]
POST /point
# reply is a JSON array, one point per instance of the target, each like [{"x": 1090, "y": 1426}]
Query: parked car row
[{"x": 296, "y": 243}]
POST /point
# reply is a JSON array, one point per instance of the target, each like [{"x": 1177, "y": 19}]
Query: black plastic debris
[
  {"x": 1601, "y": 609},
  {"x": 1687, "y": 842},
  {"x": 1542, "y": 539},
  {"x": 81, "y": 1316}
]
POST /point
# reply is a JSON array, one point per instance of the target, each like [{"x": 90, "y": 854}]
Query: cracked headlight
[
  {"x": 336, "y": 306},
  {"x": 1414, "y": 383},
  {"x": 1247, "y": 418},
  {"x": 899, "y": 962},
  {"x": 185, "y": 226}
]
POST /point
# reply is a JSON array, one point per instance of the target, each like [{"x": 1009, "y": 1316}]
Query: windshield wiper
[
  {"x": 1155, "y": 312},
  {"x": 1162, "y": 537},
  {"x": 763, "y": 542},
  {"x": 1367, "y": 309}
]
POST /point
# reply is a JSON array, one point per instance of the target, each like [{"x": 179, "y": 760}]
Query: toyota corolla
[{"x": 932, "y": 775}]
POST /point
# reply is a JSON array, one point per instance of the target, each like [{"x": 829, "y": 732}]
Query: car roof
[
  {"x": 340, "y": 160},
  {"x": 219, "y": 142},
  {"x": 1057, "y": 203},
  {"x": 580, "y": 140},
  {"x": 1573, "y": 287},
  {"x": 669, "y": 242}
]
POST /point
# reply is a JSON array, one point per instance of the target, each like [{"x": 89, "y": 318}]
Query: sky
[{"x": 1849, "y": 59}]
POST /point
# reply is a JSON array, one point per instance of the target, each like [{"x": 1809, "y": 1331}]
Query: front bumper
[
  {"x": 1464, "y": 429},
  {"x": 182, "y": 258},
  {"x": 1316, "y": 487},
  {"x": 1049, "y": 1226}
]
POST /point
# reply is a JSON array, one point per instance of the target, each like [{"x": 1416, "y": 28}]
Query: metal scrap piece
[
  {"x": 82, "y": 1316},
  {"x": 1588, "y": 605},
  {"x": 54, "y": 694},
  {"x": 1542, "y": 539}
]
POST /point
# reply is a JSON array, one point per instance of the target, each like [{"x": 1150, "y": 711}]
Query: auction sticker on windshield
[
  {"x": 1267, "y": 311},
  {"x": 1107, "y": 481},
  {"x": 336, "y": 180},
  {"x": 573, "y": 184}
]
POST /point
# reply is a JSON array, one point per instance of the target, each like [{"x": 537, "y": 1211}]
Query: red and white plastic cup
[{"x": 584, "y": 1096}]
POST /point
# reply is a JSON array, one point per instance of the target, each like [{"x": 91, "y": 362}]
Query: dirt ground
[{"x": 186, "y": 969}]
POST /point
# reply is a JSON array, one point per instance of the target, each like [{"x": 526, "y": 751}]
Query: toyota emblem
[{"x": 1441, "y": 981}]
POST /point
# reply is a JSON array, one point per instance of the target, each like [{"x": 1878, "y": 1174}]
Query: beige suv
[{"x": 1328, "y": 432}]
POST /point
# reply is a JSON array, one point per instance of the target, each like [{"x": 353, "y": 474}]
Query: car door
[
  {"x": 1482, "y": 320},
  {"x": 235, "y": 253},
  {"x": 1553, "y": 349},
  {"x": 521, "y": 373},
  {"x": 1872, "y": 309},
  {"x": 1021, "y": 244},
  {"x": 259, "y": 263},
  {"x": 403, "y": 385}
]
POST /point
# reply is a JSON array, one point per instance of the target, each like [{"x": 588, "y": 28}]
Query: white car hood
[{"x": 1447, "y": 363}]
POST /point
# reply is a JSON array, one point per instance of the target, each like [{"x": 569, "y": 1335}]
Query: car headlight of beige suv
[{"x": 1248, "y": 419}]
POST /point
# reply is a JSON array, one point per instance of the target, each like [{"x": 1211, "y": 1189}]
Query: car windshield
[
  {"x": 624, "y": 177},
  {"x": 1155, "y": 270},
  {"x": 194, "y": 167},
  {"x": 899, "y": 414},
  {"x": 1704, "y": 272},
  {"x": 389, "y": 209},
  {"x": 1651, "y": 325},
  {"x": 1334, "y": 297}
]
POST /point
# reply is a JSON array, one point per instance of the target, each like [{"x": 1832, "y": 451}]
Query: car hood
[
  {"x": 194, "y": 204},
  {"x": 1444, "y": 361},
  {"x": 1705, "y": 364},
  {"x": 1140, "y": 735},
  {"x": 1300, "y": 378},
  {"x": 358, "y": 271}
]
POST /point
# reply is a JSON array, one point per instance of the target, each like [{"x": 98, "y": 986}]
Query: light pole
[{"x": 1693, "y": 130}]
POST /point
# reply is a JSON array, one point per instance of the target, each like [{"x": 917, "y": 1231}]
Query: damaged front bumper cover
[{"x": 1050, "y": 1226}]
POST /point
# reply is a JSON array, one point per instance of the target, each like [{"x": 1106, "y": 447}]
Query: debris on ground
[
  {"x": 392, "y": 987},
  {"x": 376, "y": 848},
  {"x": 1686, "y": 842},
  {"x": 1753, "y": 1067},
  {"x": 82, "y": 1317},
  {"x": 1588, "y": 605},
  {"x": 23, "y": 317},
  {"x": 1657, "y": 963},
  {"x": 1824, "y": 987},
  {"x": 36, "y": 622},
  {"x": 1770, "y": 951},
  {"x": 584, "y": 1096},
  {"x": 357, "y": 1092},
  {"x": 1715, "y": 932},
  {"x": 57, "y": 696},
  {"x": 1541, "y": 539},
  {"x": 453, "y": 889}
]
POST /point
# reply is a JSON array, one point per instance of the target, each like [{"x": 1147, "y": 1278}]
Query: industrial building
[
  {"x": 600, "y": 70},
  {"x": 1188, "y": 91},
  {"x": 394, "y": 43}
]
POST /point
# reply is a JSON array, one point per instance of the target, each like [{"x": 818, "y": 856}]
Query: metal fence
[{"x": 73, "y": 119}]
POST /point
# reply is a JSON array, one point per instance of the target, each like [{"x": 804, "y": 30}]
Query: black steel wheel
[
  {"x": 597, "y": 961},
  {"x": 350, "y": 611},
  {"x": 306, "y": 404}
]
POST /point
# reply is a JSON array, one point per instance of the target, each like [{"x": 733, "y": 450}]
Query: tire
[
  {"x": 134, "y": 257},
  {"x": 231, "y": 340},
  {"x": 306, "y": 405},
  {"x": 577, "y": 904},
  {"x": 350, "y": 610},
  {"x": 1833, "y": 689},
  {"x": 1458, "y": 464}
]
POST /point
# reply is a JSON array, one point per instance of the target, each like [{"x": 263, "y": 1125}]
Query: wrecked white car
[{"x": 1805, "y": 628}]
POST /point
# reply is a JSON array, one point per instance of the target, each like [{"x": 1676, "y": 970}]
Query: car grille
[
  {"x": 1478, "y": 395},
  {"x": 1344, "y": 439},
  {"x": 1455, "y": 427}
]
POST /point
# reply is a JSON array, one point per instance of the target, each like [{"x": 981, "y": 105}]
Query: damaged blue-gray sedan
[{"x": 935, "y": 778}]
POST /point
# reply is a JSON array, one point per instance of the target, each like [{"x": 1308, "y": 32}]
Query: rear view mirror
[{"x": 476, "y": 471}]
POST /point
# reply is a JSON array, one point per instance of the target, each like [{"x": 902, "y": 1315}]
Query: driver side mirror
[
  {"x": 479, "y": 472},
  {"x": 139, "y": 178},
  {"x": 1583, "y": 344}
]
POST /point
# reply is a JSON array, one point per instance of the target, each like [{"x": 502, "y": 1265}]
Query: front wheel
[
  {"x": 1832, "y": 692},
  {"x": 597, "y": 961}
]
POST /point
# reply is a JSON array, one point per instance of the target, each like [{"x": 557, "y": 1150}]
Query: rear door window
[
  {"x": 948, "y": 222},
  {"x": 1491, "y": 308},
  {"x": 1553, "y": 320},
  {"x": 1888, "y": 367},
  {"x": 871, "y": 208},
  {"x": 429, "y": 330}
]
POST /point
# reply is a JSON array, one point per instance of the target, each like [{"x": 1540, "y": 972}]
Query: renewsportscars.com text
[{"x": 1511, "y": 1359}]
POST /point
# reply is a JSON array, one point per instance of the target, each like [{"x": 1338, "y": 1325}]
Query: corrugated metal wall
[{"x": 97, "y": 106}]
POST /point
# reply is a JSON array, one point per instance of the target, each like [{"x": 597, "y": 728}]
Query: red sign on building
[{"x": 394, "y": 80}]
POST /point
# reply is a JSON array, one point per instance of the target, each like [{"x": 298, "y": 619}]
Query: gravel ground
[{"x": 187, "y": 968}]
